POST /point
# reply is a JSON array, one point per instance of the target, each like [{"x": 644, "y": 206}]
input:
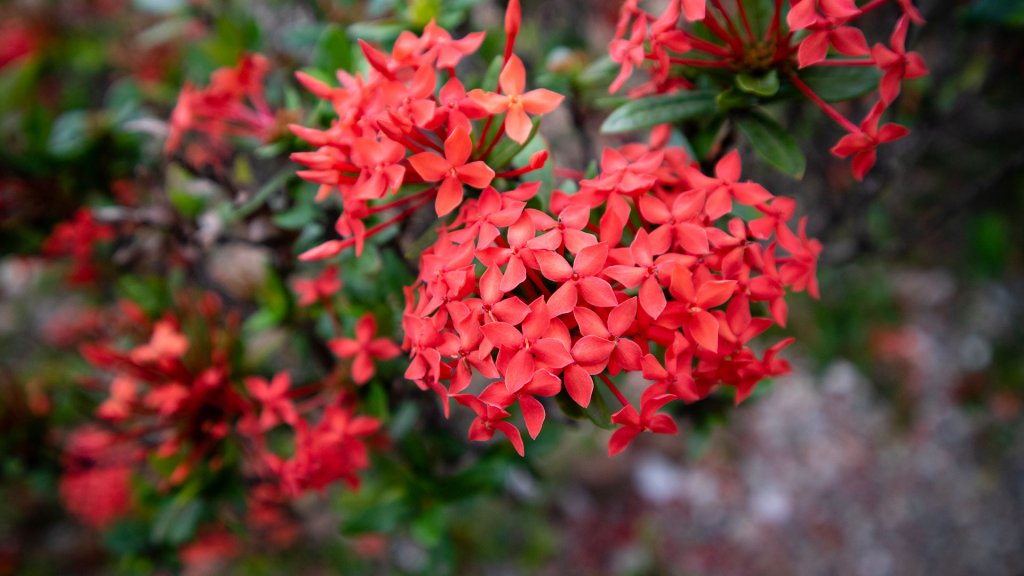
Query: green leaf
[
  {"x": 177, "y": 521},
  {"x": 1008, "y": 13},
  {"x": 600, "y": 72},
  {"x": 648, "y": 112},
  {"x": 429, "y": 526},
  {"x": 772, "y": 143},
  {"x": 490, "y": 81},
  {"x": 377, "y": 402},
  {"x": 420, "y": 12},
  {"x": 382, "y": 32},
  {"x": 760, "y": 13},
  {"x": 839, "y": 83},
  {"x": 333, "y": 50},
  {"x": 597, "y": 411},
  {"x": 188, "y": 205},
  {"x": 764, "y": 85},
  {"x": 733, "y": 99},
  {"x": 70, "y": 133},
  {"x": 296, "y": 217},
  {"x": 706, "y": 137},
  {"x": 159, "y": 6},
  {"x": 508, "y": 148},
  {"x": 276, "y": 183}
]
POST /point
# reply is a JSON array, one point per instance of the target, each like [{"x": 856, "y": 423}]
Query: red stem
[
  {"x": 401, "y": 201},
  {"x": 830, "y": 111},
  {"x": 774, "y": 29},
  {"x": 513, "y": 173},
  {"x": 703, "y": 45},
  {"x": 728, "y": 21},
  {"x": 715, "y": 28},
  {"x": 346, "y": 244},
  {"x": 615, "y": 390},
  {"x": 700, "y": 63},
  {"x": 746, "y": 21},
  {"x": 845, "y": 62},
  {"x": 483, "y": 133},
  {"x": 497, "y": 136},
  {"x": 420, "y": 138}
]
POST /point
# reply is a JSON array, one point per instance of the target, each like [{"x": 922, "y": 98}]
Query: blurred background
[{"x": 896, "y": 447}]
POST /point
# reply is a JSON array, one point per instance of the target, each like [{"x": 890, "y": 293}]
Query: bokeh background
[{"x": 896, "y": 447}]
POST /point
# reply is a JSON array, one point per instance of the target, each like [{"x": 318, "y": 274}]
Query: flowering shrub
[
  {"x": 177, "y": 397},
  {"x": 412, "y": 164}
]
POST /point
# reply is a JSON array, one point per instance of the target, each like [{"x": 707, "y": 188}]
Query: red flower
[
  {"x": 439, "y": 43},
  {"x": 648, "y": 419},
  {"x": 232, "y": 105},
  {"x": 455, "y": 107},
  {"x": 320, "y": 289},
  {"x": 582, "y": 278},
  {"x": 628, "y": 53},
  {"x": 693, "y": 301},
  {"x": 896, "y": 63},
  {"x": 273, "y": 396},
  {"x": 490, "y": 418},
  {"x": 452, "y": 170},
  {"x": 365, "y": 348},
  {"x": 379, "y": 166},
  {"x": 166, "y": 344},
  {"x": 863, "y": 144},
  {"x": 800, "y": 269},
  {"x": 543, "y": 383},
  {"x": 726, "y": 186},
  {"x": 522, "y": 354},
  {"x": 514, "y": 102},
  {"x": 602, "y": 345}
]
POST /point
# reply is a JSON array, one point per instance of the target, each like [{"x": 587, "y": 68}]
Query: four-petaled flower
[
  {"x": 452, "y": 170},
  {"x": 634, "y": 423},
  {"x": 514, "y": 102},
  {"x": 365, "y": 348},
  {"x": 864, "y": 143}
]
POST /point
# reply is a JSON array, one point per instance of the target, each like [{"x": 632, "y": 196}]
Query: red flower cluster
[
  {"x": 801, "y": 34},
  {"x": 77, "y": 238},
  {"x": 233, "y": 105},
  {"x": 96, "y": 484},
  {"x": 409, "y": 124},
  {"x": 659, "y": 283},
  {"x": 175, "y": 396},
  {"x": 639, "y": 272}
]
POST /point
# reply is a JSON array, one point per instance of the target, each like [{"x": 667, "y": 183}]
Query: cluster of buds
[
  {"x": 233, "y": 105},
  {"x": 178, "y": 398},
  {"x": 797, "y": 35}
]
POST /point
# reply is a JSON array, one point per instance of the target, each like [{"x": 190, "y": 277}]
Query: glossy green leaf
[
  {"x": 507, "y": 149},
  {"x": 763, "y": 85},
  {"x": 333, "y": 50},
  {"x": 376, "y": 31},
  {"x": 177, "y": 521},
  {"x": 70, "y": 133},
  {"x": 733, "y": 99},
  {"x": 597, "y": 411},
  {"x": 839, "y": 83},
  {"x": 772, "y": 142},
  {"x": 648, "y": 112}
]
